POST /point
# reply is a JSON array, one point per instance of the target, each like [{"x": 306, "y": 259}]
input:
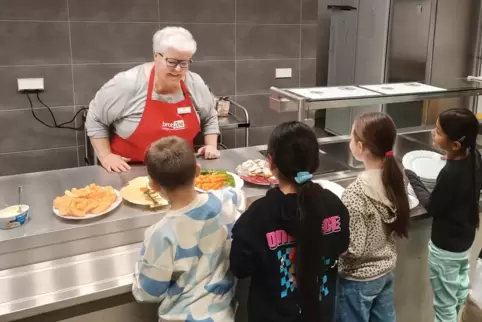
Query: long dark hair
[
  {"x": 461, "y": 125},
  {"x": 378, "y": 132},
  {"x": 293, "y": 148}
]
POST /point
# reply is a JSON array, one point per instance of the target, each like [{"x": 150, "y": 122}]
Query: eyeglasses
[{"x": 171, "y": 62}]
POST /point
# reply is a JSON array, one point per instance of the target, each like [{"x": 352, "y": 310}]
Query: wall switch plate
[
  {"x": 30, "y": 84},
  {"x": 283, "y": 73},
  {"x": 419, "y": 9}
]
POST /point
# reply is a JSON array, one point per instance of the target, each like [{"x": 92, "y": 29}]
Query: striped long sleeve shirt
[{"x": 184, "y": 262}]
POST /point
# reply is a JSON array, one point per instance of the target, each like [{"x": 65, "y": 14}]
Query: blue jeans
[
  {"x": 370, "y": 301},
  {"x": 449, "y": 276}
]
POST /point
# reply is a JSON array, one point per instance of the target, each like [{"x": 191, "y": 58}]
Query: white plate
[
  {"x": 412, "y": 201},
  {"x": 140, "y": 182},
  {"x": 338, "y": 190},
  {"x": 412, "y": 197},
  {"x": 132, "y": 194},
  {"x": 332, "y": 186},
  {"x": 426, "y": 164},
  {"x": 112, "y": 207},
  {"x": 427, "y": 183},
  {"x": 238, "y": 182}
]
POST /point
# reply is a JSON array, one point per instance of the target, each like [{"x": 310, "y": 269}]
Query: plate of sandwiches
[
  {"x": 256, "y": 172},
  {"x": 139, "y": 192}
]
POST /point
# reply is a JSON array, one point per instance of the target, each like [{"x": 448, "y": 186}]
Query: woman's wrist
[
  {"x": 103, "y": 155},
  {"x": 211, "y": 140},
  {"x": 101, "y": 147}
]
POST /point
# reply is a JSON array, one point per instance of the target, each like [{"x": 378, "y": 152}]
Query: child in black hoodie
[{"x": 289, "y": 241}]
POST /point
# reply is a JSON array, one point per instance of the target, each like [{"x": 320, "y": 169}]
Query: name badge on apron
[{"x": 184, "y": 110}]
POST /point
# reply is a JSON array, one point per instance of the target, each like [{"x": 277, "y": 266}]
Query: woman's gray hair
[{"x": 176, "y": 38}]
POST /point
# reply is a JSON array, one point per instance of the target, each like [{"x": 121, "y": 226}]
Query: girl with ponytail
[
  {"x": 454, "y": 206},
  {"x": 289, "y": 241},
  {"x": 379, "y": 210}
]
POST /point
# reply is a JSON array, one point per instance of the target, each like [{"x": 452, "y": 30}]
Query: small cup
[
  {"x": 222, "y": 107},
  {"x": 10, "y": 217}
]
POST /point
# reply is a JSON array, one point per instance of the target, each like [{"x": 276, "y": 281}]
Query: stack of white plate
[
  {"x": 332, "y": 186},
  {"x": 426, "y": 164},
  {"x": 338, "y": 190}
]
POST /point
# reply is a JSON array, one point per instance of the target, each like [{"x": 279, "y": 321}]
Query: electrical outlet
[
  {"x": 283, "y": 73},
  {"x": 30, "y": 84}
]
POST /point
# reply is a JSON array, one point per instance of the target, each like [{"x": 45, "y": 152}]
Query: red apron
[{"x": 160, "y": 119}]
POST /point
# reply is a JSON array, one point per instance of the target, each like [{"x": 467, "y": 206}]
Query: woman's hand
[
  {"x": 115, "y": 163},
  {"x": 209, "y": 152}
]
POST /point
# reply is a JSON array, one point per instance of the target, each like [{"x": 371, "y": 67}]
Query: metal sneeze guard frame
[{"x": 283, "y": 100}]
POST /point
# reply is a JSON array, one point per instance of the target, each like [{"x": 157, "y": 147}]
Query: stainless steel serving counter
[{"x": 53, "y": 263}]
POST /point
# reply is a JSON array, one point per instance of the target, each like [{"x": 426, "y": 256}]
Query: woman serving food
[{"x": 152, "y": 101}]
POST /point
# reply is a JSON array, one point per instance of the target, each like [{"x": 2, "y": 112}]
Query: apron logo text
[{"x": 176, "y": 125}]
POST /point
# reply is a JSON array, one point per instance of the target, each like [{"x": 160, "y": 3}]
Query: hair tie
[
  {"x": 389, "y": 154},
  {"x": 303, "y": 177}
]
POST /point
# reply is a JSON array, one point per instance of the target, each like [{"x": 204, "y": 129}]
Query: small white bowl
[{"x": 10, "y": 217}]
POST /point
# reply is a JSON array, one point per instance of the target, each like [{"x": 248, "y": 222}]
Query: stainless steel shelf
[
  {"x": 234, "y": 121},
  {"x": 230, "y": 122},
  {"x": 284, "y": 100}
]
